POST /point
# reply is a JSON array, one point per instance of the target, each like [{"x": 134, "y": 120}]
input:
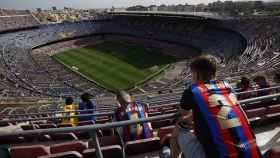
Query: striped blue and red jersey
[{"x": 219, "y": 123}]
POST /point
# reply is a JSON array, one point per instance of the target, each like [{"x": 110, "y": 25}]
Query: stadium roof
[{"x": 202, "y": 15}]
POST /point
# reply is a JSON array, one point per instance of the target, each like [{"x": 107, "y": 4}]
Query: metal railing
[
  {"x": 93, "y": 128},
  {"x": 110, "y": 114},
  {"x": 163, "y": 102}
]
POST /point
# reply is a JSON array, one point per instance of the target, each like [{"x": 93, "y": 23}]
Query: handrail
[
  {"x": 54, "y": 112},
  {"x": 237, "y": 93},
  {"x": 89, "y": 127},
  {"x": 240, "y": 102},
  {"x": 176, "y": 101},
  {"x": 93, "y": 128},
  {"x": 258, "y": 90},
  {"x": 56, "y": 117}
]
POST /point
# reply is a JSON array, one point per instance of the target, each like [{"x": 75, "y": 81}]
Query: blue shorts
[{"x": 189, "y": 144}]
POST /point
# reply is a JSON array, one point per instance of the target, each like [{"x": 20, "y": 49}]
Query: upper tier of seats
[{"x": 14, "y": 22}]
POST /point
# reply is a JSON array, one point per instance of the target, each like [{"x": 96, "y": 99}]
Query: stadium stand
[{"x": 28, "y": 71}]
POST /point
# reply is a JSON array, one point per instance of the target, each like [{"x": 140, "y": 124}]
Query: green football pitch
[{"x": 116, "y": 65}]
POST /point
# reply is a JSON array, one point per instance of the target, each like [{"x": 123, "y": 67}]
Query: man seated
[
  {"x": 87, "y": 104},
  {"x": 219, "y": 123},
  {"x": 130, "y": 110},
  {"x": 262, "y": 83},
  {"x": 70, "y": 108}
]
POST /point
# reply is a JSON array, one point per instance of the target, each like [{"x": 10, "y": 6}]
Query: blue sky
[{"x": 32, "y": 4}]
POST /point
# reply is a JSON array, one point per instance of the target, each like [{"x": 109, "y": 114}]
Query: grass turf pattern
[{"x": 116, "y": 65}]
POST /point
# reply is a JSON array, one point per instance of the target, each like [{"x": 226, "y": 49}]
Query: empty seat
[
  {"x": 63, "y": 136},
  {"x": 155, "y": 113},
  {"x": 142, "y": 146},
  {"x": 170, "y": 111},
  {"x": 68, "y": 154},
  {"x": 84, "y": 135},
  {"x": 33, "y": 151},
  {"x": 64, "y": 125},
  {"x": 112, "y": 151},
  {"x": 164, "y": 133},
  {"x": 47, "y": 125},
  {"x": 256, "y": 114},
  {"x": 85, "y": 123},
  {"x": 273, "y": 111},
  {"x": 78, "y": 146},
  {"x": 161, "y": 123},
  {"x": 273, "y": 153},
  {"x": 106, "y": 141}
]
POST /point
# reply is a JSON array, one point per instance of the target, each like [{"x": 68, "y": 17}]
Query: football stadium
[{"x": 117, "y": 83}]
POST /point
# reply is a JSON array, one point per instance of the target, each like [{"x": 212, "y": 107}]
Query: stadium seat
[
  {"x": 85, "y": 123},
  {"x": 256, "y": 114},
  {"x": 155, "y": 113},
  {"x": 63, "y": 136},
  {"x": 273, "y": 153},
  {"x": 84, "y": 135},
  {"x": 164, "y": 133},
  {"x": 29, "y": 151},
  {"x": 68, "y": 154},
  {"x": 112, "y": 151},
  {"x": 161, "y": 123},
  {"x": 47, "y": 125},
  {"x": 273, "y": 112},
  {"x": 142, "y": 146},
  {"x": 106, "y": 141},
  {"x": 170, "y": 111},
  {"x": 64, "y": 125},
  {"x": 78, "y": 146}
]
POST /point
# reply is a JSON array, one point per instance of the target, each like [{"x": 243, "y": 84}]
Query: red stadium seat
[
  {"x": 47, "y": 125},
  {"x": 164, "y": 133},
  {"x": 170, "y": 111},
  {"x": 78, "y": 146},
  {"x": 64, "y": 125},
  {"x": 29, "y": 151},
  {"x": 84, "y": 135},
  {"x": 156, "y": 113},
  {"x": 273, "y": 111},
  {"x": 112, "y": 151},
  {"x": 142, "y": 146},
  {"x": 161, "y": 123},
  {"x": 255, "y": 115},
  {"x": 85, "y": 123},
  {"x": 63, "y": 136},
  {"x": 107, "y": 141},
  {"x": 68, "y": 154}
]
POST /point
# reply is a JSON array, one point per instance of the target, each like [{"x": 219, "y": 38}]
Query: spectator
[
  {"x": 87, "y": 104},
  {"x": 130, "y": 110},
  {"x": 244, "y": 86},
  {"x": 261, "y": 84},
  {"x": 219, "y": 123},
  {"x": 183, "y": 142},
  {"x": 276, "y": 80},
  {"x": 70, "y": 107}
]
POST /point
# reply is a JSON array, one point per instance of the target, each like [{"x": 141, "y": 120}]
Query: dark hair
[
  {"x": 69, "y": 101},
  {"x": 276, "y": 77},
  {"x": 85, "y": 97},
  {"x": 204, "y": 66},
  {"x": 122, "y": 97},
  {"x": 259, "y": 79}
]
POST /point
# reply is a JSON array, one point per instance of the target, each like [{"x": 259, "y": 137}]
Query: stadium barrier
[
  {"x": 176, "y": 100},
  {"x": 56, "y": 117},
  {"x": 93, "y": 129}
]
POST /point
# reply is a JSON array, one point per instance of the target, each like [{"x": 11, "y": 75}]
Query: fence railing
[{"x": 93, "y": 128}]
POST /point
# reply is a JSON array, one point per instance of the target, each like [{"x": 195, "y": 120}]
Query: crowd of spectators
[
  {"x": 40, "y": 74},
  {"x": 17, "y": 22}
]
